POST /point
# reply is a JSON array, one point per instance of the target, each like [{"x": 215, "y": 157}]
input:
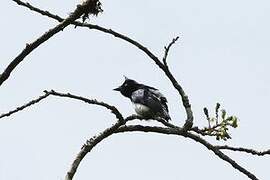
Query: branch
[
  {"x": 240, "y": 149},
  {"x": 113, "y": 109},
  {"x": 35, "y": 9},
  {"x": 167, "y": 49},
  {"x": 20, "y": 108},
  {"x": 222, "y": 155},
  {"x": 120, "y": 125},
  {"x": 185, "y": 99},
  {"x": 77, "y": 13},
  {"x": 196, "y": 138},
  {"x": 170, "y": 129},
  {"x": 88, "y": 146}
]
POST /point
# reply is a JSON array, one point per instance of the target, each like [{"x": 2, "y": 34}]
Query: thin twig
[
  {"x": 178, "y": 87},
  {"x": 20, "y": 108},
  {"x": 35, "y": 9},
  {"x": 246, "y": 150},
  {"x": 167, "y": 49},
  {"x": 113, "y": 109},
  {"x": 80, "y": 10}
]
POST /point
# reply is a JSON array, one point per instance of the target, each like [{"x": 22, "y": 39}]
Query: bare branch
[
  {"x": 88, "y": 146},
  {"x": 113, "y": 109},
  {"x": 117, "y": 128},
  {"x": 77, "y": 13},
  {"x": 185, "y": 99},
  {"x": 20, "y": 108},
  {"x": 222, "y": 155},
  {"x": 120, "y": 126},
  {"x": 167, "y": 49},
  {"x": 246, "y": 150},
  {"x": 196, "y": 138},
  {"x": 35, "y": 9}
]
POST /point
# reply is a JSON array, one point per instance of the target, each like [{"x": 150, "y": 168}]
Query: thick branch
[
  {"x": 88, "y": 146},
  {"x": 47, "y": 35},
  {"x": 222, "y": 155},
  {"x": 118, "y": 127},
  {"x": 185, "y": 100},
  {"x": 246, "y": 150},
  {"x": 189, "y": 135}
]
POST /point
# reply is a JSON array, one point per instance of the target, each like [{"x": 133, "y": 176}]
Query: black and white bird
[{"x": 148, "y": 101}]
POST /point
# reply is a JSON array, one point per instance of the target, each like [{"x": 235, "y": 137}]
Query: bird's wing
[
  {"x": 152, "y": 100},
  {"x": 157, "y": 93},
  {"x": 161, "y": 97},
  {"x": 147, "y": 98}
]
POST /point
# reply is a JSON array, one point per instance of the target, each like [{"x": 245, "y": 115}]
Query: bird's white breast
[{"x": 142, "y": 110}]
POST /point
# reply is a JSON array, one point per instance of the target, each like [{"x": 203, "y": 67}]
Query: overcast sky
[{"x": 222, "y": 56}]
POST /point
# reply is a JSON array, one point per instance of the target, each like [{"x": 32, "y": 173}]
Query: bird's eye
[{"x": 125, "y": 85}]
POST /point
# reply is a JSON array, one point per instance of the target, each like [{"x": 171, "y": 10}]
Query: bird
[{"x": 149, "y": 102}]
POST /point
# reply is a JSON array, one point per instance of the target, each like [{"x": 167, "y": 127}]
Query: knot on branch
[{"x": 90, "y": 7}]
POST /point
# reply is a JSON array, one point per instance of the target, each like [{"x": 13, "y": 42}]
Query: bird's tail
[{"x": 165, "y": 115}]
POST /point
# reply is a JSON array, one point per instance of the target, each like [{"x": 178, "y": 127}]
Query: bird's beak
[{"x": 117, "y": 89}]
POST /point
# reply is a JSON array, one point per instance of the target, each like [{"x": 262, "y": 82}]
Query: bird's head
[{"x": 128, "y": 87}]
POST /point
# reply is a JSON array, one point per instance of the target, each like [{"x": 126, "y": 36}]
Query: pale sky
[{"x": 222, "y": 56}]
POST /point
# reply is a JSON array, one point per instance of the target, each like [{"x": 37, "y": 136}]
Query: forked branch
[
  {"x": 120, "y": 125},
  {"x": 113, "y": 109},
  {"x": 88, "y": 6},
  {"x": 177, "y": 86}
]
